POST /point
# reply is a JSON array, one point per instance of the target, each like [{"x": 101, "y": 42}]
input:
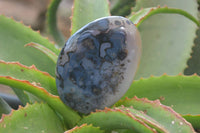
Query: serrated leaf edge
[
  {"x": 166, "y": 75},
  {"x": 53, "y": 100},
  {"x": 29, "y": 27},
  {"x": 50, "y": 54},
  {"x": 33, "y": 67},
  {"x": 178, "y": 11},
  {"x": 79, "y": 127},
  {"x": 191, "y": 53},
  {"x": 12, "y": 111},
  {"x": 151, "y": 122},
  {"x": 158, "y": 103},
  {"x": 106, "y": 110}
]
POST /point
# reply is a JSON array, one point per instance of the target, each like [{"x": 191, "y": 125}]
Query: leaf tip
[{"x": 6, "y": 115}]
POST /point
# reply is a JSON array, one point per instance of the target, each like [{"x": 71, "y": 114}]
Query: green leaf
[
  {"x": 111, "y": 119},
  {"x": 36, "y": 118},
  {"x": 52, "y": 22},
  {"x": 124, "y": 131},
  {"x": 85, "y": 129},
  {"x": 123, "y": 7},
  {"x": 52, "y": 100},
  {"x": 51, "y": 55},
  {"x": 138, "y": 17},
  {"x": 166, "y": 39},
  {"x": 164, "y": 115},
  {"x": 13, "y": 37},
  {"x": 19, "y": 71},
  {"x": 194, "y": 120},
  {"x": 180, "y": 92},
  {"x": 85, "y": 11},
  {"x": 25, "y": 97},
  {"x": 194, "y": 62},
  {"x": 32, "y": 74},
  {"x": 4, "y": 107},
  {"x": 145, "y": 118}
]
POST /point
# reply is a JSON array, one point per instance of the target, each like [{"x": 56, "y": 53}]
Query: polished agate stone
[{"x": 97, "y": 64}]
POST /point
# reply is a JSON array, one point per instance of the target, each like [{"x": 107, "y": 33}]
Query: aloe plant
[{"x": 168, "y": 101}]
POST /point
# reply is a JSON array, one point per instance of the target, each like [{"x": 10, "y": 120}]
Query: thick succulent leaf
[
  {"x": 36, "y": 118},
  {"x": 85, "y": 129},
  {"x": 25, "y": 97},
  {"x": 138, "y": 17},
  {"x": 123, "y": 131},
  {"x": 13, "y": 37},
  {"x": 145, "y": 118},
  {"x": 164, "y": 115},
  {"x": 52, "y": 22},
  {"x": 85, "y": 11},
  {"x": 51, "y": 55},
  {"x": 123, "y": 7},
  {"x": 19, "y": 71},
  {"x": 194, "y": 120},
  {"x": 52, "y": 100},
  {"x": 4, "y": 107},
  {"x": 194, "y": 62},
  {"x": 180, "y": 92},
  {"x": 111, "y": 119},
  {"x": 32, "y": 74},
  {"x": 167, "y": 39}
]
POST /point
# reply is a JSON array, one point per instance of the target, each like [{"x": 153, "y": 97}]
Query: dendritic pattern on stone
[{"x": 97, "y": 64}]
